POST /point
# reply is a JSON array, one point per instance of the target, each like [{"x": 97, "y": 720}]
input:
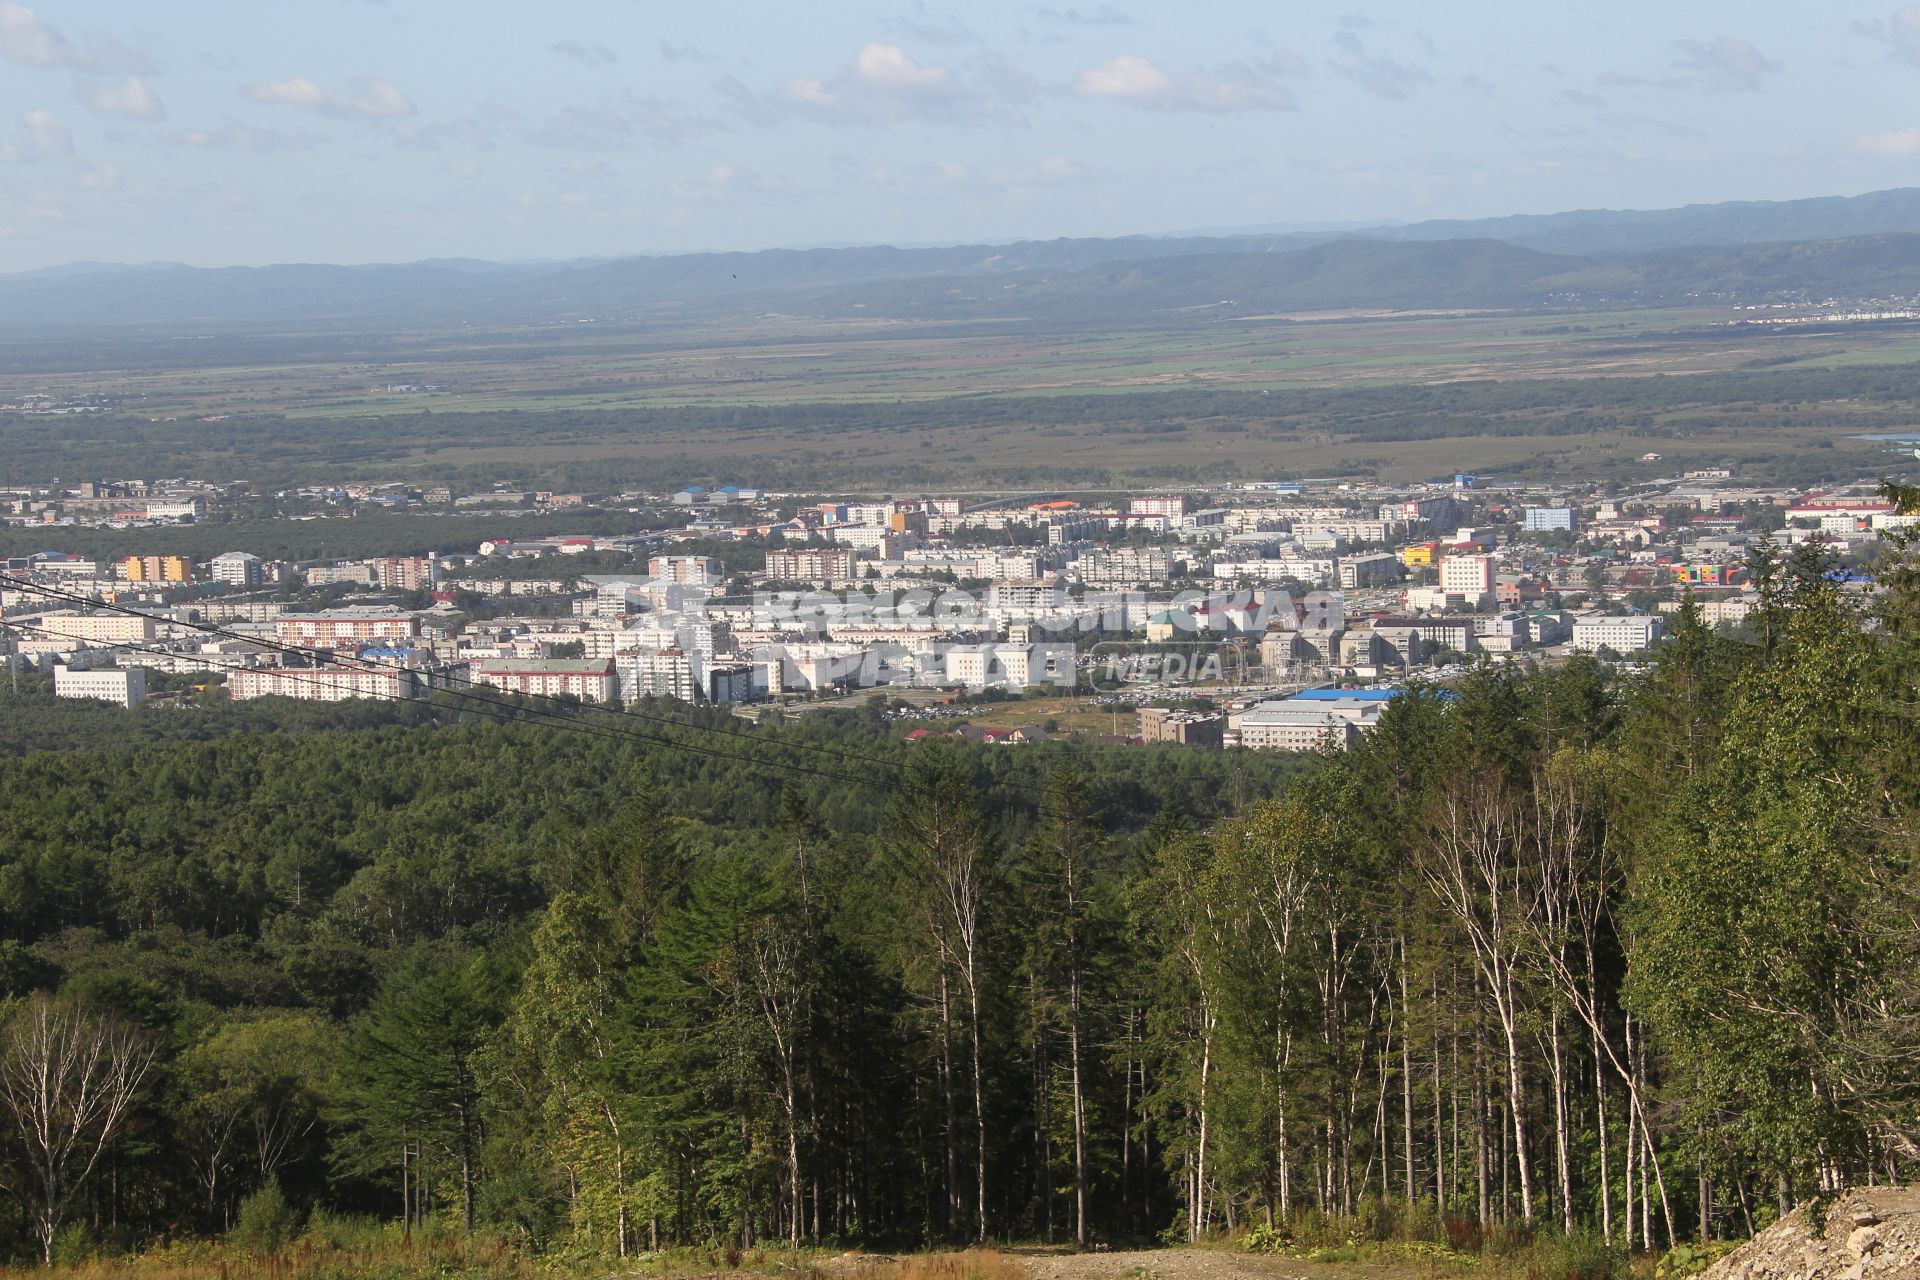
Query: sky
[{"x": 236, "y": 132}]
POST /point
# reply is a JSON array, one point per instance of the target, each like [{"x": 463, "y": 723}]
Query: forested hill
[
  {"x": 1560, "y": 951},
  {"x": 1207, "y": 279},
  {"x": 1856, "y": 246},
  {"x": 1735, "y": 222}
]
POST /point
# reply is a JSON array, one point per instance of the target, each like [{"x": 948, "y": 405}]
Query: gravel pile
[{"x": 1869, "y": 1233}]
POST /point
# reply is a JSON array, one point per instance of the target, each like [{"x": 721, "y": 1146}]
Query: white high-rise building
[
  {"x": 1548, "y": 519},
  {"x": 684, "y": 571},
  {"x": 1469, "y": 577},
  {"x": 241, "y": 569}
]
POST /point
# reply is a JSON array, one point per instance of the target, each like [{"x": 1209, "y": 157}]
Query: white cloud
[
  {"x": 26, "y": 40},
  {"x": 370, "y": 99},
  {"x": 889, "y": 65},
  {"x": 131, "y": 97},
  {"x": 50, "y": 133},
  {"x": 1891, "y": 142},
  {"x": 885, "y": 83},
  {"x": 1725, "y": 64},
  {"x": 1899, "y": 32},
  {"x": 1233, "y": 86},
  {"x": 1126, "y": 76}
]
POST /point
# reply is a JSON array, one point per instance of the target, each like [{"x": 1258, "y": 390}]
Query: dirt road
[{"x": 1207, "y": 1264}]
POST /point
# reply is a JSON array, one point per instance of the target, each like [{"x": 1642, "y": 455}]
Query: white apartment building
[
  {"x": 124, "y": 687},
  {"x": 1416, "y": 509},
  {"x": 684, "y": 571},
  {"x": 239, "y": 569},
  {"x": 98, "y": 628},
  {"x": 1171, "y": 507},
  {"x": 810, "y": 564},
  {"x": 588, "y": 679},
  {"x": 1026, "y": 599},
  {"x": 1124, "y": 564},
  {"x": 594, "y": 642},
  {"x": 1023, "y": 665},
  {"x": 1548, "y": 519},
  {"x": 353, "y": 574},
  {"x": 656, "y": 673},
  {"x": 322, "y": 684},
  {"x": 1470, "y": 577},
  {"x": 867, "y": 537},
  {"x": 1369, "y": 570},
  {"x": 405, "y": 573},
  {"x": 969, "y": 664},
  {"x": 345, "y": 628},
  {"x": 1337, "y": 531},
  {"x": 1316, "y": 573},
  {"x": 1622, "y": 633},
  {"x": 191, "y": 509}
]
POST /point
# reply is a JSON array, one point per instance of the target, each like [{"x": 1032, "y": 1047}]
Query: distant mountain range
[{"x": 1838, "y": 246}]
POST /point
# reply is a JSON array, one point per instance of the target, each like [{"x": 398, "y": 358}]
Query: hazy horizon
[{"x": 355, "y": 131}]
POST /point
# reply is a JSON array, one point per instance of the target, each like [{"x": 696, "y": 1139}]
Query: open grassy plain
[
  {"x": 798, "y": 403},
  {"x": 777, "y": 361}
]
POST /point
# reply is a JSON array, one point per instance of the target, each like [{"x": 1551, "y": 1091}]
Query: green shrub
[
  {"x": 1580, "y": 1256},
  {"x": 1691, "y": 1257},
  {"x": 346, "y": 1231},
  {"x": 73, "y": 1244},
  {"x": 266, "y": 1221}
]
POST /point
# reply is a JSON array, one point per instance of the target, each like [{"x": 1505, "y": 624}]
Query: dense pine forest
[{"x": 1628, "y": 954}]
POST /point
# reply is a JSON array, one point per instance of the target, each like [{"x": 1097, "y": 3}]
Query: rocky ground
[{"x": 1868, "y": 1233}]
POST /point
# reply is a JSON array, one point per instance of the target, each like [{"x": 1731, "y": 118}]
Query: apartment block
[
  {"x": 322, "y": 684},
  {"x": 588, "y": 679},
  {"x": 124, "y": 687},
  {"x": 154, "y": 569},
  {"x": 345, "y": 628},
  {"x": 1622, "y": 633},
  {"x": 810, "y": 564}
]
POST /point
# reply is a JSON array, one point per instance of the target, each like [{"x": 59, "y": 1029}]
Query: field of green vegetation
[
  {"x": 785, "y": 361},
  {"x": 957, "y": 413}
]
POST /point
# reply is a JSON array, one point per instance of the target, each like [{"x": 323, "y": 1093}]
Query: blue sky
[{"x": 240, "y": 131}]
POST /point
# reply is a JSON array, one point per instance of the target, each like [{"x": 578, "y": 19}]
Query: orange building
[{"x": 155, "y": 569}]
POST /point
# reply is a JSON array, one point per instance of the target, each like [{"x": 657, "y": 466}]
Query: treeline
[
  {"x": 242, "y": 915},
  {"x": 1549, "y": 950}
]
